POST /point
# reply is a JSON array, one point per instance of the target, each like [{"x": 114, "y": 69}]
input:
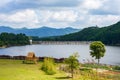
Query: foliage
[
  {"x": 72, "y": 62},
  {"x": 97, "y": 50},
  {"x": 1, "y": 43},
  {"x": 91, "y": 75},
  {"x": 116, "y": 68},
  {"x": 108, "y": 35},
  {"x": 15, "y": 70},
  {"x": 101, "y": 66},
  {"x": 48, "y": 66},
  {"x": 113, "y": 77},
  {"x": 10, "y": 39}
]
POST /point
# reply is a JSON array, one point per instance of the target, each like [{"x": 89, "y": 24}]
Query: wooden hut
[{"x": 31, "y": 57}]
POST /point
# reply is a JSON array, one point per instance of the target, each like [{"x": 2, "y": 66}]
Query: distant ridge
[
  {"x": 40, "y": 32},
  {"x": 109, "y": 35}
]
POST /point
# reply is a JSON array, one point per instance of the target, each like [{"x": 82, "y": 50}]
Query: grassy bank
[{"x": 16, "y": 70}]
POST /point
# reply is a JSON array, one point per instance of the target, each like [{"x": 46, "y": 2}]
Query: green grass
[
  {"x": 114, "y": 77},
  {"x": 16, "y": 70}
]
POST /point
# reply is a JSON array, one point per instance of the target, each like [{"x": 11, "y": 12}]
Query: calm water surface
[{"x": 112, "y": 55}]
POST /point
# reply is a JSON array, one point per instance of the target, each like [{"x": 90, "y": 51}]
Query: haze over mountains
[{"x": 40, "y": 32}]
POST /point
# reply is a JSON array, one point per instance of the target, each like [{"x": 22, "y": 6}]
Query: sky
[{"x": 59, "y": 13}]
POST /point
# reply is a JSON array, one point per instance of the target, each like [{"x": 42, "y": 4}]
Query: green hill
[{"x": 108, "y": 35}]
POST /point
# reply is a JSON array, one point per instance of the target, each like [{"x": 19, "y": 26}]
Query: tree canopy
[
  {"x": 11, "y": 39},
  {"x": 97, "y": 50},
  {"x": 72, "y": 62}
]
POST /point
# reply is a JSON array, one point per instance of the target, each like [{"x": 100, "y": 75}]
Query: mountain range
[
  {"x": 40, "y": 32},
  {"x": 108, "y": 35}
]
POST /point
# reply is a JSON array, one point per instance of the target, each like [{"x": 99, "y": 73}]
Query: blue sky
[{"x": 59, "y": 13}]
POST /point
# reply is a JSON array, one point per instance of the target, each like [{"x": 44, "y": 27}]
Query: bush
[
  {"x": 116, "y": 68},
  {"x": 48, "y": 66}
]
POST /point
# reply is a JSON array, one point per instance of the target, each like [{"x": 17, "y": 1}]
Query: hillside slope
[{"x": 108, "y": 35}]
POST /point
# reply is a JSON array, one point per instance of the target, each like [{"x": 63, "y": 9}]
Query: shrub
[
  {"x": 96, "y": 66},
  {"x": 116, "y": 68},
  {"x": 48, "y": 66},
  {"x": 73, "y": 63}
]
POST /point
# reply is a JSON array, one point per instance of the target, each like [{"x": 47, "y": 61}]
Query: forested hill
[
  {"x": 108, "y": 35},
  {"x": 11, "y": 39}
]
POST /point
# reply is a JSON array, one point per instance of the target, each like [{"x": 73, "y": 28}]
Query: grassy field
[{"x": 16, "y": 70}]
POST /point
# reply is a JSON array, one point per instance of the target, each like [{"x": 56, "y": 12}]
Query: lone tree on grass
[
  {"x": 72, "y": 62},
  {"x": 97, "y": 50}
]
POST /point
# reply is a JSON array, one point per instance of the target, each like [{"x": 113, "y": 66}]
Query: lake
[{"x": 112, "y": 55}]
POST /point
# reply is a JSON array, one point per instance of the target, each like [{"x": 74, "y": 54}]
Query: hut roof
[{"x": 31, "y": 54}]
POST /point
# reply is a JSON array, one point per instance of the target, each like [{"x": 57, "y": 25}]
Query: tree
[
  {"x": 1, "y": 43},
  {"x": 73, "y": 63},
  {"x": 11, "y": 39},
  {"x": 97, "y": 50},
  {"x": 48, "y": 66}
]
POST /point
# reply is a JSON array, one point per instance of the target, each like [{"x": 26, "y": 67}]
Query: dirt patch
[
  {"x": 112, "y": 72},
  {"x": 103, "y": 71}
]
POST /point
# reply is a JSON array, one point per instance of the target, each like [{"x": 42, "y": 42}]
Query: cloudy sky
[{"x": 59, "y": 13}]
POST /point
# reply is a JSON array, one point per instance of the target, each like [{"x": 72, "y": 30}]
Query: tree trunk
[
  {"x": 72, "y": 72},
  {"x": 98, "y": 61}
]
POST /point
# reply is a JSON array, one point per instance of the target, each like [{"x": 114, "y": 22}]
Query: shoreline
[
  {"x": 58, "y": 43},
  {"x": 22, "y": 57},
  {"x": 61, "y": 42},
  {"x": 57, "y": 60}
]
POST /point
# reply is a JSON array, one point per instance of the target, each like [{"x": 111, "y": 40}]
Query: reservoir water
[{"x": 112, "y": 55}]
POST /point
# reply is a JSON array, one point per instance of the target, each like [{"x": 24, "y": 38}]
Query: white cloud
[
  {"x": 64, "y": 16},
  {"x": 93, "y": 20},
  {"x": 59, "y": 13},
  {"x": 31, "y": 19},
  {"x": 58, "y": 16},
  {"x": 44, "y": 15},
  {"x": 92, "y": 4},
  {"x": 27, "y": 17},
  {"x": 102, "y": 7},
  {"x": 23, "y": 16},
  {"x": 112, "y": 6},
  {"x": 103, "y": 20}
]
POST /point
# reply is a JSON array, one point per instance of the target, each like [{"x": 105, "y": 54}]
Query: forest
[
  {"x": 11, "y": 39},
  {"x": 108, "y": 35}
]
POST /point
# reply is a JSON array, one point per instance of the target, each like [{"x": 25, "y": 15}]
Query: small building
[
  {"x": 30, "y": 41},
  {"x": 31, "y": 57}
]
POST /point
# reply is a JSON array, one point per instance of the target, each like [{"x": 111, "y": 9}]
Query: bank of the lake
[
  {"x": 16, "y": 70},
  {"x": 112, "y": 55}
]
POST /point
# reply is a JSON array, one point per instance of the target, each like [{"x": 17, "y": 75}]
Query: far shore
[
  {"x": 62, "y": 42},
  {"x": 58, "y": 43},
  {"x": 3, "y": 47}
]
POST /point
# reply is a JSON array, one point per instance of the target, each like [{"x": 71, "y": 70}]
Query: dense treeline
[
  {"x": 11, "y": 39},
  {"x": 108, "y": 35}
]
